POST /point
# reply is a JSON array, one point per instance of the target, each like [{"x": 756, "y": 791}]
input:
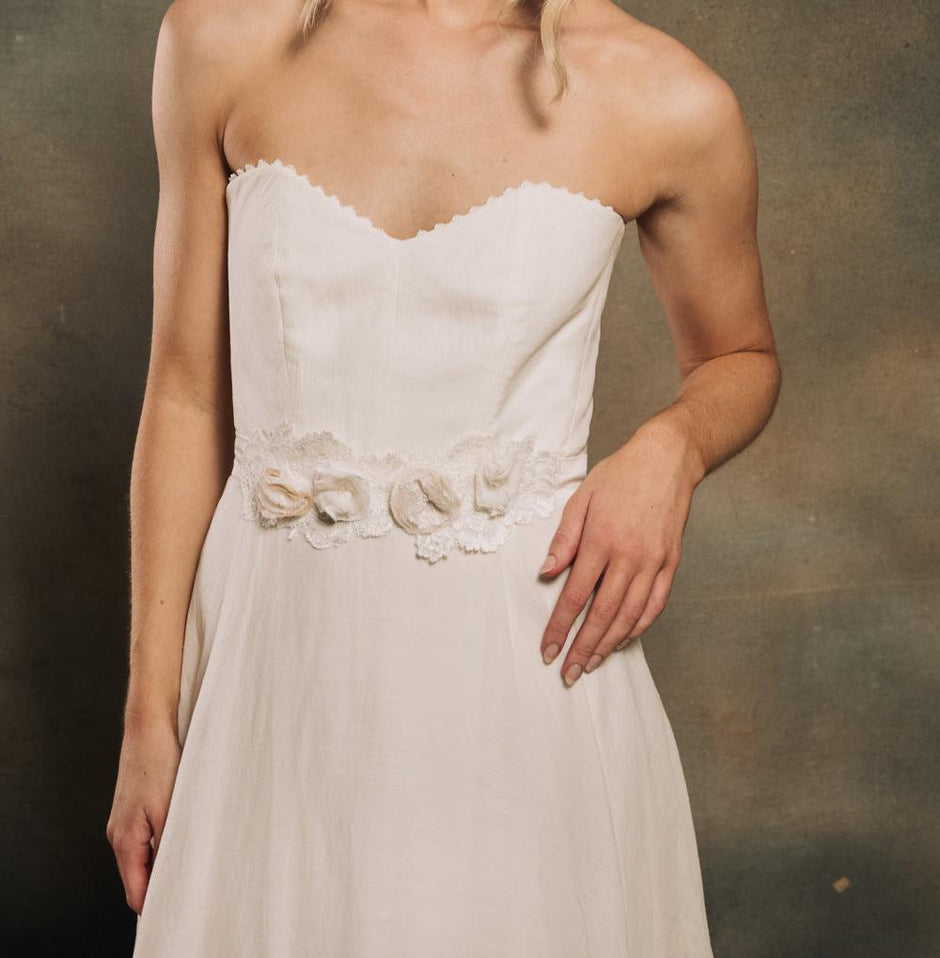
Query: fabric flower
[
  {"x": 340, "y": 496},
  {"x": 422, "y": 502},
  {"x": 497, "y": 479},
  {"x": 281, "y": 493}
]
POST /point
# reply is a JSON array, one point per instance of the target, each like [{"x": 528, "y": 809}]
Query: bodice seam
[
  {"x": 277, "y": 271},
  {"x": 599, "y": 294},
  {"x": 394, "y": 344}
]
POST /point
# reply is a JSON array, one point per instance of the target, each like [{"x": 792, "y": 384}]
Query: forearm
[
  {"x": 722, "y": 406},
  {"x": 181, "y": 460}
]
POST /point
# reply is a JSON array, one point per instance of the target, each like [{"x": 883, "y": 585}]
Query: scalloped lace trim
[
  {"x": 350, "y": 210},
  {"x": 468, "y": 497}
]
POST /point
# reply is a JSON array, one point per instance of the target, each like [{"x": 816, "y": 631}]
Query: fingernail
[
  {"x": 574, "y": 670},
  {"x": 623, "y": 644},
  {"x": 548, "y": 656},
  {"x": 547, "y": 565},
  {"x": 593, "y": 662}
]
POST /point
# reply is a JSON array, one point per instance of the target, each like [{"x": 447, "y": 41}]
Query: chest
[{"x": 411, "y": 129}]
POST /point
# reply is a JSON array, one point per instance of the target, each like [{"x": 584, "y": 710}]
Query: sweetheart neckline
[{"x": 277, "y": 164}]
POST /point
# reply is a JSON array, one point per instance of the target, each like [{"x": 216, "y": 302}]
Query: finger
[
  {"x": 157, "y": 824},
  {"x": 134, "y": 855},
  {"x": 577, "y": 589},
  {"x": 605, "y": 606},
  {"x": 655, "y": 605},
  {"x": 564, "y": 545},
  {"x": 633, "y": 605}
]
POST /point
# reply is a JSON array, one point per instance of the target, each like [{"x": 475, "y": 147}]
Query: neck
[{"x": 467, "y": 13}]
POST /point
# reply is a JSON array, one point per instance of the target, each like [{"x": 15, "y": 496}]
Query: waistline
[{"x": 468, "y": 496}]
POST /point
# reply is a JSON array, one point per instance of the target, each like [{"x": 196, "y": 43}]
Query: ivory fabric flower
[
  {"x": 467, "y": 497},
  {"x": 340, "y": 496},
  {"x": 497, "y": 479},
  {"x": 423, "y": 501},
  {"x": 282, "y": 493}
]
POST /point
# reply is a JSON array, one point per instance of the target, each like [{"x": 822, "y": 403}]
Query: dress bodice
[{"x": 487, "y": 324}]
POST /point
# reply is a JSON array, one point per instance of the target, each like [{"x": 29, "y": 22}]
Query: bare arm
[
  {"x": 700, "y": 247},
  {"x": 185, "y": 440},
  {"x": 621, "y": 532}
]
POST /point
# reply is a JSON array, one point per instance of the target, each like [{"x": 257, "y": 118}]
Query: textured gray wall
[{"x": 798, "y": 658}]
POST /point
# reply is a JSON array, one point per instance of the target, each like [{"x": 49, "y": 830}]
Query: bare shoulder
[
  {"x": 218, "y": 29},
  {"x": 208, "y": 49},
  {"x": 659, "y": 94}
]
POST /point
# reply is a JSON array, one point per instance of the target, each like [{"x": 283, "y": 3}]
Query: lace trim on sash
[{"x": 468, "y": 497}]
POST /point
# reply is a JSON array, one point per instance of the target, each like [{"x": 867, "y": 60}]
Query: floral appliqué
[{"x": 468, "y": 497}]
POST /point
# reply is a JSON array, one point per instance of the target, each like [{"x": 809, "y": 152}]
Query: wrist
[
  {"x": 672, "y": 438},
  {"x": 149, "y": 716}
]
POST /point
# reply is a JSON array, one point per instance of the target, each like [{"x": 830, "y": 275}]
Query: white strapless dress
[{"x": 376, "y": 762}]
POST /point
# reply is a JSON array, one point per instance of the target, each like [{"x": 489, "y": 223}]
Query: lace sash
[{"x": 468, "y": 497}]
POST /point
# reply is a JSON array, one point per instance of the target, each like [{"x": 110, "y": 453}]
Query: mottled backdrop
[{"x": 798, "y": 659}]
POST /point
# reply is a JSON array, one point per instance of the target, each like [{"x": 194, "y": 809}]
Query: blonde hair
[{"x": 550, "y": 15}]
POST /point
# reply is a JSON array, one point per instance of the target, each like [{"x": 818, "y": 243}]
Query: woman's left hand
[{"x": 622, "y": 528}]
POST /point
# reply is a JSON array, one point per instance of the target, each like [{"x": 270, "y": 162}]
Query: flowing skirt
[{"x": 377, "y": 763}]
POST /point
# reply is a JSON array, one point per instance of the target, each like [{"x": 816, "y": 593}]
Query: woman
[{"x": 385, "y": 695}]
